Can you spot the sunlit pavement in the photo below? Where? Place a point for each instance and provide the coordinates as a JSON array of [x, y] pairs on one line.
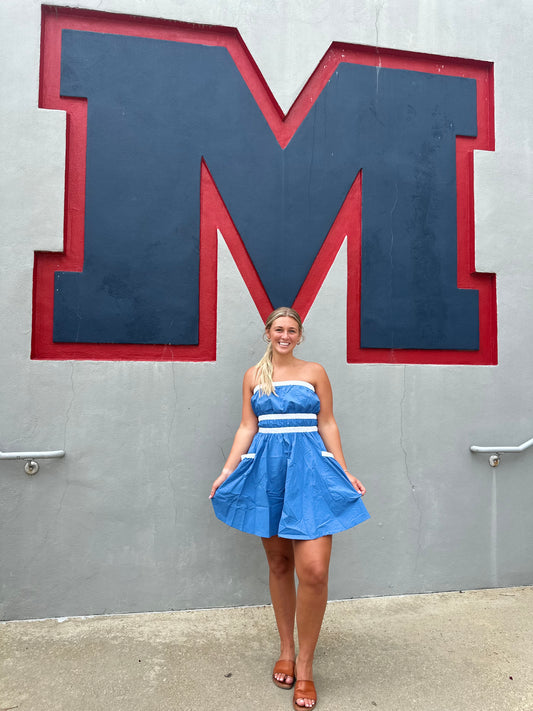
[[439, 652]]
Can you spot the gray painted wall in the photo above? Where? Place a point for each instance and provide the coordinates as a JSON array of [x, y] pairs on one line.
[[123, 523]]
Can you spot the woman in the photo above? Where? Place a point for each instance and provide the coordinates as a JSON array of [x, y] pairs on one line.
[[292, 488]]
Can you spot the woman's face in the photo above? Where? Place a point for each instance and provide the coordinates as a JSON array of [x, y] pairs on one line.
[[284, 334]]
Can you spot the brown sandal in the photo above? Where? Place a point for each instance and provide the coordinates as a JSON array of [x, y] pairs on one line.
[[286, 667], [304, 690]]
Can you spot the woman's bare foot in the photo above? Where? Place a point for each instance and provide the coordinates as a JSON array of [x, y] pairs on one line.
[[283, 674], [304, 673]]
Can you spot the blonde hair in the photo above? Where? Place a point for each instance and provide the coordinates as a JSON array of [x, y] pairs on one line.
[[264, 369]]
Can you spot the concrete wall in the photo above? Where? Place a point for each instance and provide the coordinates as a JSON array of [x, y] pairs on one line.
[[123, 523]]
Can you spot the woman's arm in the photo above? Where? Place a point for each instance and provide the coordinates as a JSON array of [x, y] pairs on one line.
[[327, 426], [245, 432]]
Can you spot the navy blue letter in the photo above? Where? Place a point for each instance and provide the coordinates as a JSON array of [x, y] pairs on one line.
[[156, 108]]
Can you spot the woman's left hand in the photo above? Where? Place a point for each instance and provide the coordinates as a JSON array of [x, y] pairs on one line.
[[356, 484], [219, 480]]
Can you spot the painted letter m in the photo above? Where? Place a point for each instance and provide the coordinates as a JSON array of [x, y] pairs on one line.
[[161, 115]]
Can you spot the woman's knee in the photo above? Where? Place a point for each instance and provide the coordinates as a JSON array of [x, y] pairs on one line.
[[312, 561], [315, 574], [280, 565]]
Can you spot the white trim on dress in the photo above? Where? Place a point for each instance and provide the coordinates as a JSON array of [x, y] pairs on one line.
[[288, 416], [290, 382], [283, 430]]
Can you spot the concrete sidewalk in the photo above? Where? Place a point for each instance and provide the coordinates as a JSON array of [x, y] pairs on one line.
[[468, 651]]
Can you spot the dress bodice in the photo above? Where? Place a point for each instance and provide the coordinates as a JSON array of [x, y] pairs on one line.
[[291, 396]]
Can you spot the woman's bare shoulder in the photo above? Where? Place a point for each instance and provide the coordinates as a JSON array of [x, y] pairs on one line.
[[250, 377], [314, 372]]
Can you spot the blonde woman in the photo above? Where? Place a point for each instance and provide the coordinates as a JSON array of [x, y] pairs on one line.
[[286, 481]]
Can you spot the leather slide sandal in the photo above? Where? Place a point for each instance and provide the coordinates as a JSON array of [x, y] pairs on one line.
[[286, 667]]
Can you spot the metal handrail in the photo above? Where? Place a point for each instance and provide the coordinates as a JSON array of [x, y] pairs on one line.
[[54, 454], [31, 466], [494, 459]]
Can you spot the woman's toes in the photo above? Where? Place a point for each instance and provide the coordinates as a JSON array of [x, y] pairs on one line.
[[283, 678]]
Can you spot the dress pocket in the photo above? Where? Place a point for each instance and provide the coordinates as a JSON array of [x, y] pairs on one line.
[[340, 487], [237, 478]]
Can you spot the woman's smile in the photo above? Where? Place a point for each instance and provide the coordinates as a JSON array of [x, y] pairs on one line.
[[284, 334]]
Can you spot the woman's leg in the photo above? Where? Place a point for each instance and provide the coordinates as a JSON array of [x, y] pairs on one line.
[[312, 568], [280, 557]]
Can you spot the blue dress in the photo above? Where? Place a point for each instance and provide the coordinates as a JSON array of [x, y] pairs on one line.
[[287, 484]]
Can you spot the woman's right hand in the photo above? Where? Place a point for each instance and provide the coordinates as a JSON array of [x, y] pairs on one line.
[[218, 481], [357, 485]]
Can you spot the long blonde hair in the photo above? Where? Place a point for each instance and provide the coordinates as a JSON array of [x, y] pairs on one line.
[[265, 368]]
